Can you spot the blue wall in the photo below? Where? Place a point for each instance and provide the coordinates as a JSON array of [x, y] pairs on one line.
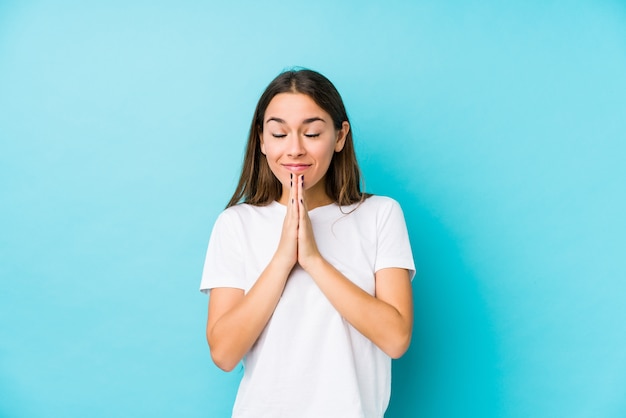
[[501, 128]]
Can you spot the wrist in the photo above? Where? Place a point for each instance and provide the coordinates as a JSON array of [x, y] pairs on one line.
[[281, 263], [313, 263]]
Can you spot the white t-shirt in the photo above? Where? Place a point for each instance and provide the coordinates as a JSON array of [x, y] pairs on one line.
[[309, 361]]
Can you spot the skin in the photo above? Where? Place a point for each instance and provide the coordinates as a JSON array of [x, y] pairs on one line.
[[299, 140]]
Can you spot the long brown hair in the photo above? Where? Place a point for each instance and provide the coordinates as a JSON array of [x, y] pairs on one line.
[[258, 185]]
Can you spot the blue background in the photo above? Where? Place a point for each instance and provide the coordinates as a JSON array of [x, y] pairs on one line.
[[499, 126]]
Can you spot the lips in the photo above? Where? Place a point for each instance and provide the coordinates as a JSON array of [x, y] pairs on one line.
[[296, 168]]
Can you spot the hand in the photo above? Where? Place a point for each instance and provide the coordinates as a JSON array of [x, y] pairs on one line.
[[307, 247], [297, 242], [287, 251]]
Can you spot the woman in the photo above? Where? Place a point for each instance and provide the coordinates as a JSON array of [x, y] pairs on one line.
[[309, 278]]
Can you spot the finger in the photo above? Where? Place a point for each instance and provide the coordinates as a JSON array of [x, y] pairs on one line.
[[301, 198], [289, 214], [291, 195], [300, 187], [296, 195], [294, 200]]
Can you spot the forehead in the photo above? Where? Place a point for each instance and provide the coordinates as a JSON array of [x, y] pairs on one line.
[[294, 108]]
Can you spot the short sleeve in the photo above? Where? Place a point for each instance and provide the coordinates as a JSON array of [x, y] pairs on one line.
[[222, 265], [393, 246]]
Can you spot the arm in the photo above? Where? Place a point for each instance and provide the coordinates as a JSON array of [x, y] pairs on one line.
[[236, 319], [386, 319]]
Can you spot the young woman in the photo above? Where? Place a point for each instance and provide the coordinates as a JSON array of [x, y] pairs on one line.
[[309, 278]]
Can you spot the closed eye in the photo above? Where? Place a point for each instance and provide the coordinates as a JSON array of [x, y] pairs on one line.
[[279, 135], [311, 135]]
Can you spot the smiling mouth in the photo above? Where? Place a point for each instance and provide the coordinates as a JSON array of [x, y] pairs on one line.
[[296, 167]]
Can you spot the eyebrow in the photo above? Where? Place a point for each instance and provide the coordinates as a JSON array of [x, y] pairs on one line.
[[306, 121]]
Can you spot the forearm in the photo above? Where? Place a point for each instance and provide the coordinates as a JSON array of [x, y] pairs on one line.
[[232, 335], [381, 322]]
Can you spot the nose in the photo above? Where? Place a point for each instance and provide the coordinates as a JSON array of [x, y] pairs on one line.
[[295, 147]]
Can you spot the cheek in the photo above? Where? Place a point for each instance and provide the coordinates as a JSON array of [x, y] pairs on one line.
[[325, 153], [271, 156], [273, 165], [270, 149]]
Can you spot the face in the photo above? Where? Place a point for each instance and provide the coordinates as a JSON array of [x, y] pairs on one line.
[[299, 137]]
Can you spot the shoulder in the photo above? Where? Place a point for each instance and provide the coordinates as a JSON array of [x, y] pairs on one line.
[[379, 200], [379, 204], [242, 209], [381, 210], [244, 212]]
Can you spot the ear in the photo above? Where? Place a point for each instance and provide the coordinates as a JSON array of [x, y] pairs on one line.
[[342, 134], [262, 144]]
